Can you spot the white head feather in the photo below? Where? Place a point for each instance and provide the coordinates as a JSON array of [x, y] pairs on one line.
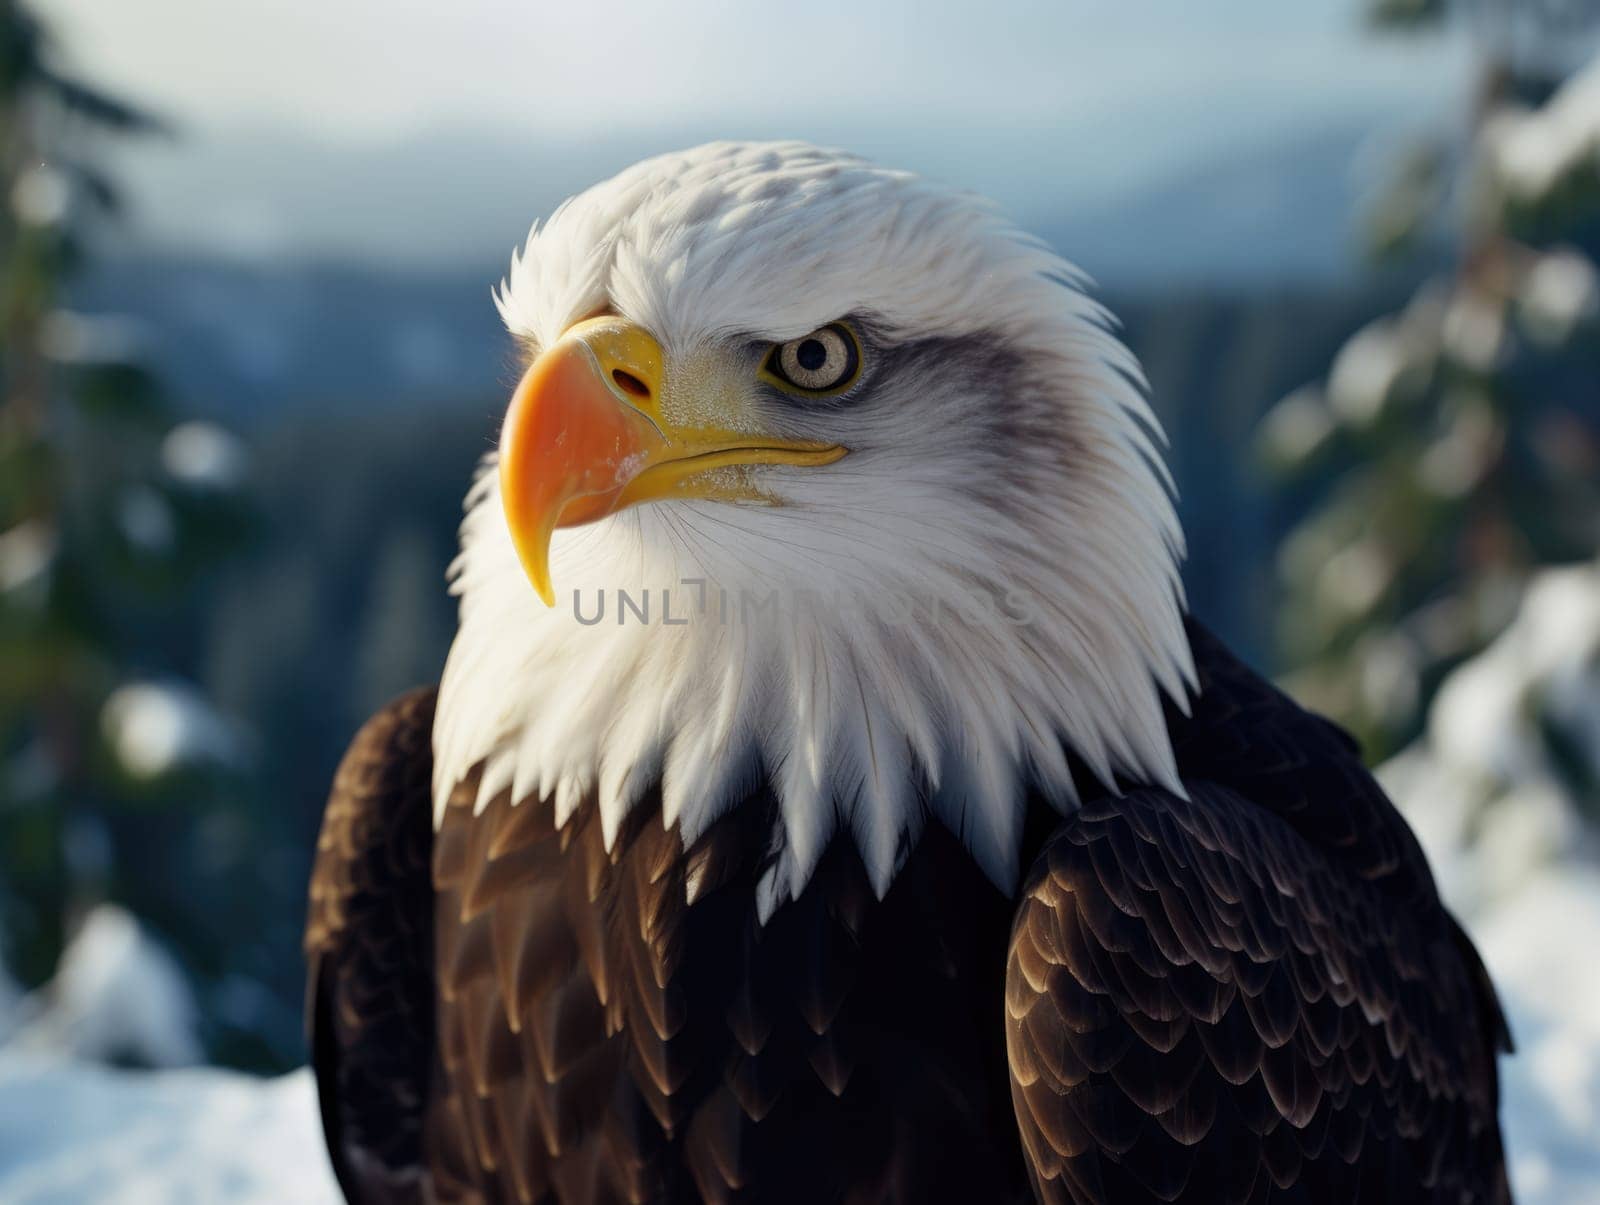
[[1005, 450]]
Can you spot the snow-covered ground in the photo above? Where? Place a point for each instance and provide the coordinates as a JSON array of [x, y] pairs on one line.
[[1541, 948], [75, 1133], [1501, 791], [117, 996], [1504, 792]]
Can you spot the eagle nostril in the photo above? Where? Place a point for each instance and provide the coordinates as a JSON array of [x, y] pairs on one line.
[[630, 384]]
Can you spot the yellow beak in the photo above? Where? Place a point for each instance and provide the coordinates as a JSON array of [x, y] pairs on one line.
[[585, 437]]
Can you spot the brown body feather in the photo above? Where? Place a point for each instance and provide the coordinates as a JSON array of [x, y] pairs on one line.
[[1249, 995]]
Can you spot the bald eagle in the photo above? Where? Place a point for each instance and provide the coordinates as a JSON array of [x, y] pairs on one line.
[[827, 796]]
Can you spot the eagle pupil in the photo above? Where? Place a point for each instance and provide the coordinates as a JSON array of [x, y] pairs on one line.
[[811, 355]]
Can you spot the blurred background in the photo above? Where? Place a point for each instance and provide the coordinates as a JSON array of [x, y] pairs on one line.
[[248, 359]]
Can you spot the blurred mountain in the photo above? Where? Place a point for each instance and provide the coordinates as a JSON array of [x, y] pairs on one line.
[[255, 343], [454, 194], [404, 317], [1284, 212]]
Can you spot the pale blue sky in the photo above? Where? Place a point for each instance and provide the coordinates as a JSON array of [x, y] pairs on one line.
[[1031, 101], [380, 68]]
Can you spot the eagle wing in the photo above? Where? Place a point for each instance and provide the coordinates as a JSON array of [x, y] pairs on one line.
[[1203, 1005], [1253, 993], [369, 951]]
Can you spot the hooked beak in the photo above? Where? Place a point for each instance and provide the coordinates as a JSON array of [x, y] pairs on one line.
[[585, 437]]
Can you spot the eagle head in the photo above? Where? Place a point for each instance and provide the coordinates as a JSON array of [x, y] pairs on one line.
[[824, 483]]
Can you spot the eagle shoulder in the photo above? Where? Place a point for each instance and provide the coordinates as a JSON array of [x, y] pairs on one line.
[[369, 953], [1252, 991]]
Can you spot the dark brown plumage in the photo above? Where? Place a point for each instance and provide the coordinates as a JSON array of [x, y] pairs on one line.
[[1252, 994]]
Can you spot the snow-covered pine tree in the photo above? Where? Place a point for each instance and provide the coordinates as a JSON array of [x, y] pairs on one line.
[[115, 775], [1454, 446]]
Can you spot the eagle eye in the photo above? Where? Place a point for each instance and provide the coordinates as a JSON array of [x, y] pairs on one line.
[[823, 363]]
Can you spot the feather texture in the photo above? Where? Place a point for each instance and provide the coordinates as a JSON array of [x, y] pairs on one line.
[[620, 1026], [1286, 1038], [369, 953], [1252, 993], [1249, 992]]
